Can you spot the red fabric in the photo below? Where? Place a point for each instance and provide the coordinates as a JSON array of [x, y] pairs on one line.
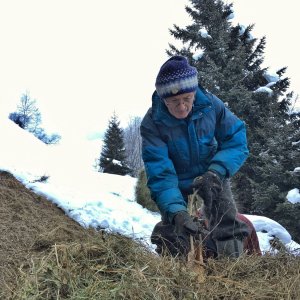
[[251, 243]]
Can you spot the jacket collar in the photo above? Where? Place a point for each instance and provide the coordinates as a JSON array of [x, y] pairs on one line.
[[161, 114]]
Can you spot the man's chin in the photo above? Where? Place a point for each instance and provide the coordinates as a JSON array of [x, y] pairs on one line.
[[181, 115]]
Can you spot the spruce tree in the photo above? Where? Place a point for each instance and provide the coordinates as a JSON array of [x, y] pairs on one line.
[[231, 68], [113, 155]]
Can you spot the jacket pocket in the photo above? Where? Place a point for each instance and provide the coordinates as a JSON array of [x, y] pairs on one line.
[[207, 150]]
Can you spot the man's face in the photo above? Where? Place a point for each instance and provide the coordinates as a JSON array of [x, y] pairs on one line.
[[180, 106]]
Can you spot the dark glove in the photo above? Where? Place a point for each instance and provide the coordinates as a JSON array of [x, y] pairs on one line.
[[208, 186], [184, 227], [184, 224]]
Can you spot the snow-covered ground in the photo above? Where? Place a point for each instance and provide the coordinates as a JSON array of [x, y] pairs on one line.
[[96, 199]]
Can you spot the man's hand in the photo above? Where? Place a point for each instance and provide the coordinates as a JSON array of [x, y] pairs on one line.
[[184, 227], [184, 224], [208, 187]]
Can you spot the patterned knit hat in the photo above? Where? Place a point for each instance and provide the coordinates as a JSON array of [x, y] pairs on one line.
[[176, 77]]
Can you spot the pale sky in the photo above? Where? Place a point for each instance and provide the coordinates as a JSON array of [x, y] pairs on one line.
[[84, 59]]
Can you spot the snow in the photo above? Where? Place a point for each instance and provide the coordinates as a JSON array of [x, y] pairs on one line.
[[65, 175], [293, 196], [271, 76], [264, 89], [242, 31], [296, 171], [198, 54], [203, 32]]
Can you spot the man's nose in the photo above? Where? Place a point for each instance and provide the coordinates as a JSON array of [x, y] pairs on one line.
[[181, 103]]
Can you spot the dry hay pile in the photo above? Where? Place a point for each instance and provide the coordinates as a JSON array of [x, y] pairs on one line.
[[115, 267], [69, 262], [29, 226]]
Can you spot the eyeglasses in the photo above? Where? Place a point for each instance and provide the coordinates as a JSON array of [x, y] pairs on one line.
[[178, 101]]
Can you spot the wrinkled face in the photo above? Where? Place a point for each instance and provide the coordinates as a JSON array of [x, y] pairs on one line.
[[180, 106]]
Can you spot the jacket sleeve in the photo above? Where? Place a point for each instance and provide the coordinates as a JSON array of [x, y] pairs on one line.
[[161, 174], [231, 136]]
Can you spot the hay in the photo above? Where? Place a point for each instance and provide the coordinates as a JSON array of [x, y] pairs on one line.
[[115, 267], [29, 225], [46, 255]]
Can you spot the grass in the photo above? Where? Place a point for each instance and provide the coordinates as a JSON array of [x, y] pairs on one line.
[[115, 267], [46, 255]]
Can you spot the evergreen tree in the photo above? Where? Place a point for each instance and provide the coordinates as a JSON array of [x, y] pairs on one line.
[[113, 154], [230, 66]]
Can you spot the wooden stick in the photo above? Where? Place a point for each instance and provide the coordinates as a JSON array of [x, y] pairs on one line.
[[195, 256]]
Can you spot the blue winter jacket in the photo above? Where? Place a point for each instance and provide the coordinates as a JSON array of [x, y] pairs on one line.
[[175, 151]]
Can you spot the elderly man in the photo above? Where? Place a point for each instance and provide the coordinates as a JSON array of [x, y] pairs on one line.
[[192, 141]]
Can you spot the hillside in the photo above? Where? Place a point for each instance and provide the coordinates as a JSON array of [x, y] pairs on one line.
[[46, 255], [29, 226]]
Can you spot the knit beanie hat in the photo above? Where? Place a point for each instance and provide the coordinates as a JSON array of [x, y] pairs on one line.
[[176, 77]]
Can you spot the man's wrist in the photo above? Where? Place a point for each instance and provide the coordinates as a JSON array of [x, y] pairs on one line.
[[173, 215], [220, 176], [219, 170]]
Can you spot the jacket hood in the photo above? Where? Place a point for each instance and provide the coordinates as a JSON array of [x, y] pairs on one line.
[[160, 113]]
